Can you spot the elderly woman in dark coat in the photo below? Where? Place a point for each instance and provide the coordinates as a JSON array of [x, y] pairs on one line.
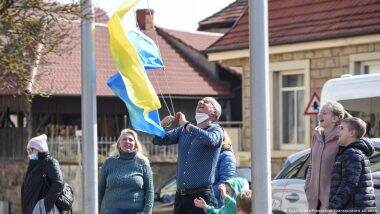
[[43, 179]]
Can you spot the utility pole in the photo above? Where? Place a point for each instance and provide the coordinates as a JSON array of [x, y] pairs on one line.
[[89, 124], [259, 83]]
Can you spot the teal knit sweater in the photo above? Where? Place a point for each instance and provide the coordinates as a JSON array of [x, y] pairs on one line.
[[126, 182]]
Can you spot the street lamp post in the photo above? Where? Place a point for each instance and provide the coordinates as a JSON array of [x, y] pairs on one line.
[[259, 64], [89, 124]]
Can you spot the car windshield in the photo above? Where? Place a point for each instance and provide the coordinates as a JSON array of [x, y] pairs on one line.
[[290, 161], [375, 158]]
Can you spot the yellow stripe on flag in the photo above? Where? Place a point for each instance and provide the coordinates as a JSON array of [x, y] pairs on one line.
[[140, 89]]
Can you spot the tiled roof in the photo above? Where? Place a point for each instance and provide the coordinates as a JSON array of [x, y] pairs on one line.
[[62, 76], [198, 41], [292, 21], [225, 17], [181, 77]]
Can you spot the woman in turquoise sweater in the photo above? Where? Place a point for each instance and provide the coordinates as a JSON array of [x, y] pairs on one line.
[[126, 183]]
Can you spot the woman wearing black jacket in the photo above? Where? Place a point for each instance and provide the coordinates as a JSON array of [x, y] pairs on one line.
[[43, 179]]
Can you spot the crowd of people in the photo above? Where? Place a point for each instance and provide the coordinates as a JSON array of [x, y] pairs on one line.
[[205, 162], [338, 178]]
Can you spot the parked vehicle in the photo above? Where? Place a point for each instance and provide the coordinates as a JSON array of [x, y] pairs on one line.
[[164, 197], [288, 194], [360, 96]]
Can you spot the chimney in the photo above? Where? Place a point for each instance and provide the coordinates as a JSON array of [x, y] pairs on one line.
[[145, 19]]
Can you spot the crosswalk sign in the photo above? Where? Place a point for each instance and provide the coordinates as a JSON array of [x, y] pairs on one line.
[[312, 107]]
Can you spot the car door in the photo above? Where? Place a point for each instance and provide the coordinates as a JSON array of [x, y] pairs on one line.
[[278, 186], [293, 196]]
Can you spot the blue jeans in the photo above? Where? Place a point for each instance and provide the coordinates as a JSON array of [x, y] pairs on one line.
[[121, 211]]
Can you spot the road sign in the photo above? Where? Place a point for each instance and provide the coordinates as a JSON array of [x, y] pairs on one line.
[[312, 107]]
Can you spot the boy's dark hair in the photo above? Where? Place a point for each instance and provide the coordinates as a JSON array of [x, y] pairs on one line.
[[357, 125], [243, 201]]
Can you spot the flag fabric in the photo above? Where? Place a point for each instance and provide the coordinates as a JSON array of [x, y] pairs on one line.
[[131, 53], [127, 61], [147, 50], [149, 124]]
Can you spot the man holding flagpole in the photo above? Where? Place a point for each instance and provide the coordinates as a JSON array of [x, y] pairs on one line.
[[198, 151]]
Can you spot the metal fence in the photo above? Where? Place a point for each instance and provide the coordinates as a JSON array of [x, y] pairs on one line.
[[68, 148], [12, 143]]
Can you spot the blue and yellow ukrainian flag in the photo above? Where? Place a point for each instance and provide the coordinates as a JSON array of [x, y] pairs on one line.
[[131, 84]]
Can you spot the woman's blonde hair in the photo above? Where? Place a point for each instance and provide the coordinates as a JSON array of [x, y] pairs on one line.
[[337, 109], [226, 144], [138, 147]]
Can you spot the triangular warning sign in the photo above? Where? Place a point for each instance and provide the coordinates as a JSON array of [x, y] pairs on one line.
[[313, 105]]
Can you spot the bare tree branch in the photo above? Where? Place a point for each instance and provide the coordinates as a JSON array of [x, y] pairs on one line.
[[24, 24]]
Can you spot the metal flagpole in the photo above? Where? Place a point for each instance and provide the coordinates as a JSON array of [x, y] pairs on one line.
[[89, 124], [259, 64]]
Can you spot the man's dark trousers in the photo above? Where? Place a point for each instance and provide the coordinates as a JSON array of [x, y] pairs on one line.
[[184, 203]]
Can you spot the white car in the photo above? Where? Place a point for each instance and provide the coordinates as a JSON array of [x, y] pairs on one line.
[[288, 194]]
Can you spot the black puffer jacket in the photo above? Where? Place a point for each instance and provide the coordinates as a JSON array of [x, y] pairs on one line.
[[33, 188], [351, 182]]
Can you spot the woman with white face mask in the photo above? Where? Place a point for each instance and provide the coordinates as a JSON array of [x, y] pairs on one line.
[[126, 182], [43, 181], [324, 147]]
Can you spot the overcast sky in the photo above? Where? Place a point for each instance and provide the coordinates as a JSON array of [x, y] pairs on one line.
[[173, 14]]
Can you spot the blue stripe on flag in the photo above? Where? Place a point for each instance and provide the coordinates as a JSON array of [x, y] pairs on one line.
[[146, 49], [149, 124]]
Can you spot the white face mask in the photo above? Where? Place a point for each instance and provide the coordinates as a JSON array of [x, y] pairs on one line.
[[201, 117], [33, 156]]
